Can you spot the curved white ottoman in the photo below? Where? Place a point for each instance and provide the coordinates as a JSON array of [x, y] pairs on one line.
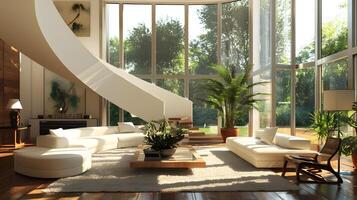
[[52, 163]]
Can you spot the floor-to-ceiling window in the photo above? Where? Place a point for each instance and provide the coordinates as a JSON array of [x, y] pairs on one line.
[[305, 31], [312, 46], [112, 52], [176, 46]]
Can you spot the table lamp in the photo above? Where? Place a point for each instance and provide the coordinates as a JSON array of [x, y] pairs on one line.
[[14, 105]]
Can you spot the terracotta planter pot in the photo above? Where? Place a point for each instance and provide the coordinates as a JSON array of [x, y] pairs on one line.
[[229, 132], [354, 158]]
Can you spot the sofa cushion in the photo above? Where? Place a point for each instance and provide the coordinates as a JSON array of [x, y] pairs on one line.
[[291, 142], [130, 139], [52, 141], [57, 132], [89, 131], [96, 143], [266, 134], [127, 127]]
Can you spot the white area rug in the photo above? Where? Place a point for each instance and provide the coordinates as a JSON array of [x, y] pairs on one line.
[[225, 171]]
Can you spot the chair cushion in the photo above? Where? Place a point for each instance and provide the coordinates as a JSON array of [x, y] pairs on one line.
[[266, 134], [291, 142]]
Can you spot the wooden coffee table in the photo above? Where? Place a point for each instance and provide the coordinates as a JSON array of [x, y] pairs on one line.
[[184, 157]]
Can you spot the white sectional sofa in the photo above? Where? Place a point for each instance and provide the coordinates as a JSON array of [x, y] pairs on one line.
[[68, 152], [263, 154]]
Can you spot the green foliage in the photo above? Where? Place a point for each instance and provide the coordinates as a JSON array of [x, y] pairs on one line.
[[283, 21], [160, 135], [325, 123], [350, 118], [137, 48], [283, 115], [63, 98], [169, 55], [203, 51], [235, 34], [231, 94], [334, 38], [113, 49], [349, 145], [170, 47]]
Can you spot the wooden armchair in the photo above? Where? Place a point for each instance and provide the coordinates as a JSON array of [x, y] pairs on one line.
[[311, 166]]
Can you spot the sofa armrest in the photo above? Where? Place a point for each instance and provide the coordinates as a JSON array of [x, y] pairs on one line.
[[130, 139], [51, 141], [292, 142]]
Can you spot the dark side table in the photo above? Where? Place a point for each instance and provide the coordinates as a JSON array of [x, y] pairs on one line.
[[16, 132]]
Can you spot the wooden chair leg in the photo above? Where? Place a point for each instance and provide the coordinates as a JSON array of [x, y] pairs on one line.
[[284, 167], [298, 168]]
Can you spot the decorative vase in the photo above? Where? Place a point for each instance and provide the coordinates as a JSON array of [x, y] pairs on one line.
[[165, 153], [229, 132]]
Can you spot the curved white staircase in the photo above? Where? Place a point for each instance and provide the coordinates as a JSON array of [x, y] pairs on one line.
[[36, 28]]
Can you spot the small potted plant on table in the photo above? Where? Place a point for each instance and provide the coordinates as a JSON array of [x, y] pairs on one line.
[[162, 137]]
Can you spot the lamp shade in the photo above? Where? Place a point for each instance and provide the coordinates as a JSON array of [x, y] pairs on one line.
[[338, 100], [14, 104]]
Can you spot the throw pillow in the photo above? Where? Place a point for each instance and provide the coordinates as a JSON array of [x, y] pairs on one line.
[[267, 134], [57, 132], [127, 127]]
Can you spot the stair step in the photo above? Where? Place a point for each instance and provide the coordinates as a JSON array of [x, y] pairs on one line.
[[196, 133], [196, 138]]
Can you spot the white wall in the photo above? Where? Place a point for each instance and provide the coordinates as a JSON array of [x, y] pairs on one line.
[[32, 76]]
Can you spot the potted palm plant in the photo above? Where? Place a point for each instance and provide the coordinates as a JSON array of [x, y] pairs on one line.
[[231, 96]]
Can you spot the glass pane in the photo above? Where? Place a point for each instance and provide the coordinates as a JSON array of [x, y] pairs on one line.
[[335, 75], [305, 102], [128, 117], [283, 31], [173, 85], [112, 11], [262, 115], [283, 100], [112, 19], [334, 26], [137, 38], [113, 114], [235, 34], [170, 20], [203, 117], [305, 31], [202, 38]]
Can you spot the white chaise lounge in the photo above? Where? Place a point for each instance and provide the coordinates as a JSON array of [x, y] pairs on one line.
[[268, 155], [68, 152]]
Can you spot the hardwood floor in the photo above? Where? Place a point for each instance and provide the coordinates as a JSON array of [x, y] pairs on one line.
[[15, 186]]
